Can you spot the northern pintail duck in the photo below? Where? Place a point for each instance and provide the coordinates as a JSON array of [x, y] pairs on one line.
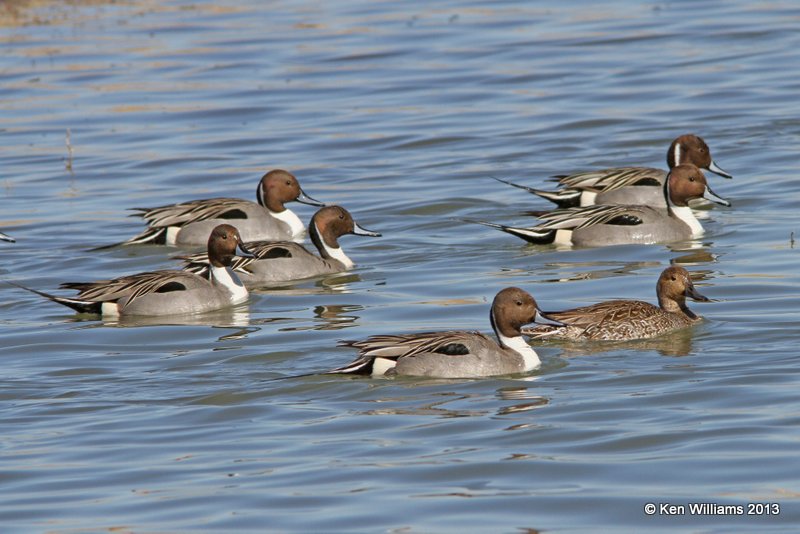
[[190, 223], [166, 292], [281, 261], [4, 237], [625, 224], [455, 354], [619, 320], [628, 185]]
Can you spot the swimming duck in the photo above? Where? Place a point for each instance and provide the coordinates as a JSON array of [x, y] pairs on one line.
[[625, 224], [456, 354], [281, 261], [619, 320], [165, 292], [190, 223], [628, 185]]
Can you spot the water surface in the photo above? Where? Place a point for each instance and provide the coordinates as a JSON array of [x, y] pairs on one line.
[[401, 112]]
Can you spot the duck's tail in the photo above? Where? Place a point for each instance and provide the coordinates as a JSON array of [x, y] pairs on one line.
[[153, 236], [534, 235], [81, 306], [563, 198]]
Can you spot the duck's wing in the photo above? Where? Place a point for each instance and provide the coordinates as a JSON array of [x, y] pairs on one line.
[[136, 285], [261, 250], [194, 210], [610, 179], [576, 218], [453, 343]]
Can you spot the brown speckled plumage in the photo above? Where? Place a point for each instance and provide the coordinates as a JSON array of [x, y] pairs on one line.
[[619, 320]]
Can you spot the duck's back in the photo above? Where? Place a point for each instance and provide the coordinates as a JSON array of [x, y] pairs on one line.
[[618, 320]]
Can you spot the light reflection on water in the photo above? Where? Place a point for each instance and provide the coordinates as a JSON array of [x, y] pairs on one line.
[[400, 112]]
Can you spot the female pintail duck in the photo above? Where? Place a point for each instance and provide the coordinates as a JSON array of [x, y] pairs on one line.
[[628, 185], [619, 320], [456, 354], [625, 224], [4, 237], [166, 292], [190, 223], [281, 261]]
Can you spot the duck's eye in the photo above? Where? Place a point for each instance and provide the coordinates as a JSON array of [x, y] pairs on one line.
[[519, 303], [341, 217], [691, 178], [674, 279]]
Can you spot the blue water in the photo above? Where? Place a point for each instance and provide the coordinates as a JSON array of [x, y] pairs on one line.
[[401, 112]]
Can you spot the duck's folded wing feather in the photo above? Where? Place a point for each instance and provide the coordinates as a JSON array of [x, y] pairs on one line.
[[575, 218], [610, 179], [261, 250], [195, 210], [136, 285]]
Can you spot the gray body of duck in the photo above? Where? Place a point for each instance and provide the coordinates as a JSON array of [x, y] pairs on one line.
[[456, 354], [620, 320], [628, 185], [626, 224], [282, 261], [166, 292], [190, 223]]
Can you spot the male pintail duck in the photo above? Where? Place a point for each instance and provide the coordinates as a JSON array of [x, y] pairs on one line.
[[165, 292], [190, 223], [456, 354], [625, 224], [281, 261], [628, 185], [619, 320], [4, 237]]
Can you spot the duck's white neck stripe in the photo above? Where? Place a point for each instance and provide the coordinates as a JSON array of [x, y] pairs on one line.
[[519, 345], [228, 279], [296, 227], [335, 252], [677, 154], [685, 214]]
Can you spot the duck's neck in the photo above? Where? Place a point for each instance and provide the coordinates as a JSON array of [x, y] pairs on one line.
[[677, 306], [225, 277], [327, 251], [520, 346], [290, 218], [687, 216], [683, 213]]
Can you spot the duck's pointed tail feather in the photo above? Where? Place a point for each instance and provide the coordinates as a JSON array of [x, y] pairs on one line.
[[81, 306]]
